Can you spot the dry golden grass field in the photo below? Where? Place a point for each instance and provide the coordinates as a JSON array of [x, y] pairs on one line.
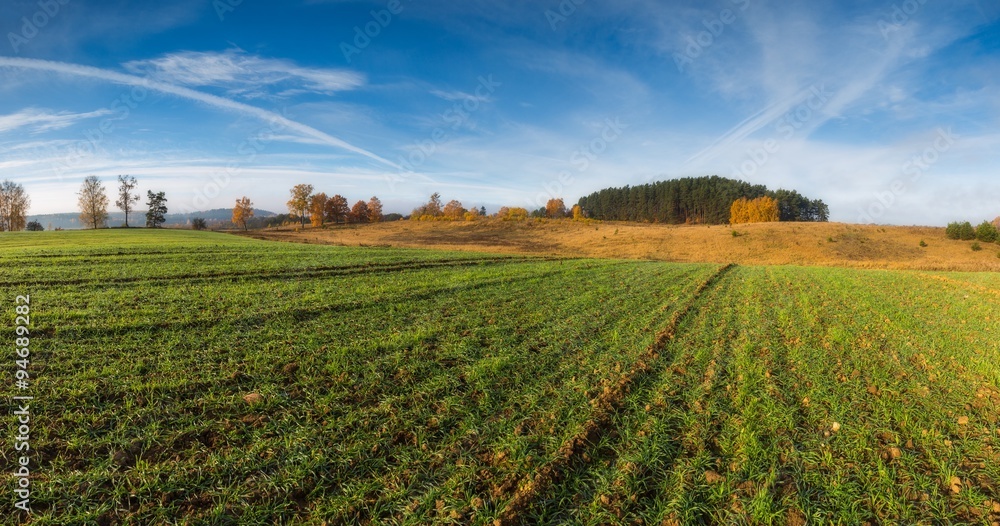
[[809, 244]]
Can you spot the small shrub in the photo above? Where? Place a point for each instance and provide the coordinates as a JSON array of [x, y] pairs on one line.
[[923, 243], [34, 226], [966, 232], [953, 231], [199, 223], [831, 240], [986, 232], [976, 247], [736, 234]]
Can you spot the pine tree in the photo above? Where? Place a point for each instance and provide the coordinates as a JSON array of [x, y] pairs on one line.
[[157, 209]]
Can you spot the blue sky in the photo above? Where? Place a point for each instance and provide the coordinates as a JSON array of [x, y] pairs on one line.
[[888, 111]]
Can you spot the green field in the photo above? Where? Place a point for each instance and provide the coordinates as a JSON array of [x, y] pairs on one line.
[[199, 378]]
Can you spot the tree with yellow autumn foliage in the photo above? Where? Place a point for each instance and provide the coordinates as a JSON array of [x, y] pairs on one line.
[[513, 214], [453, 211], [242, 212], [375, 210], [298, 205], [317, 209], [555, 208], [760, 210]]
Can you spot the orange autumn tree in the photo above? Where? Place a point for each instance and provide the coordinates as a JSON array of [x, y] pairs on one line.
[[337, 209], [242, 212], [317, 209], [360, 213], [555, 208], [760, 210], [454, 211], [375, 210]]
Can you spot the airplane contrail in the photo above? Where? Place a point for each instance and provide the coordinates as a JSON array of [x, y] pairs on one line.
[[187, 93]]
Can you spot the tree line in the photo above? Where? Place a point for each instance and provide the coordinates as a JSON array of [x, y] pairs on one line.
[[317, 209], [93, 202], [707, 200], [434, 210], [986, 232], [695, 200]]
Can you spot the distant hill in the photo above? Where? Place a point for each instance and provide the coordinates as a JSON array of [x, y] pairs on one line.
[[792, 243], [71, 221]]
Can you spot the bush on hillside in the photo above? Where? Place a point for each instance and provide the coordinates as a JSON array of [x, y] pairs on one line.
[[986, 232], [952, 232], [963, 231]]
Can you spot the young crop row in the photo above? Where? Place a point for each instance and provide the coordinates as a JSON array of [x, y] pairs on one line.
[[412, 395], [409, 387], [218, 260], [808, 396]]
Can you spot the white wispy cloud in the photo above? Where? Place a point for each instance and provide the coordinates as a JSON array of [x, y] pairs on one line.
[[243, 74], [190, 94], [456, 95], [41, 121]]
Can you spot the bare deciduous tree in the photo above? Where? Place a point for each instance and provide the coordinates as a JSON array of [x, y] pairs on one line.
[[93, 203], [126, 200], [14, 203]]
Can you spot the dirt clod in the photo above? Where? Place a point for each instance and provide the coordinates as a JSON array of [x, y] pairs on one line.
[[123, 459], [955, 484], [253, 398], [713, 477], [795, 517]]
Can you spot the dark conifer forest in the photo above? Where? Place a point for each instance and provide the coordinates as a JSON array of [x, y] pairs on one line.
[[701, 200]]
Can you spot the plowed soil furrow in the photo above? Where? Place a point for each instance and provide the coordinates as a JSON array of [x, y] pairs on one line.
[[605, 406], [964, 284], [314, 272], [300, 315]]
